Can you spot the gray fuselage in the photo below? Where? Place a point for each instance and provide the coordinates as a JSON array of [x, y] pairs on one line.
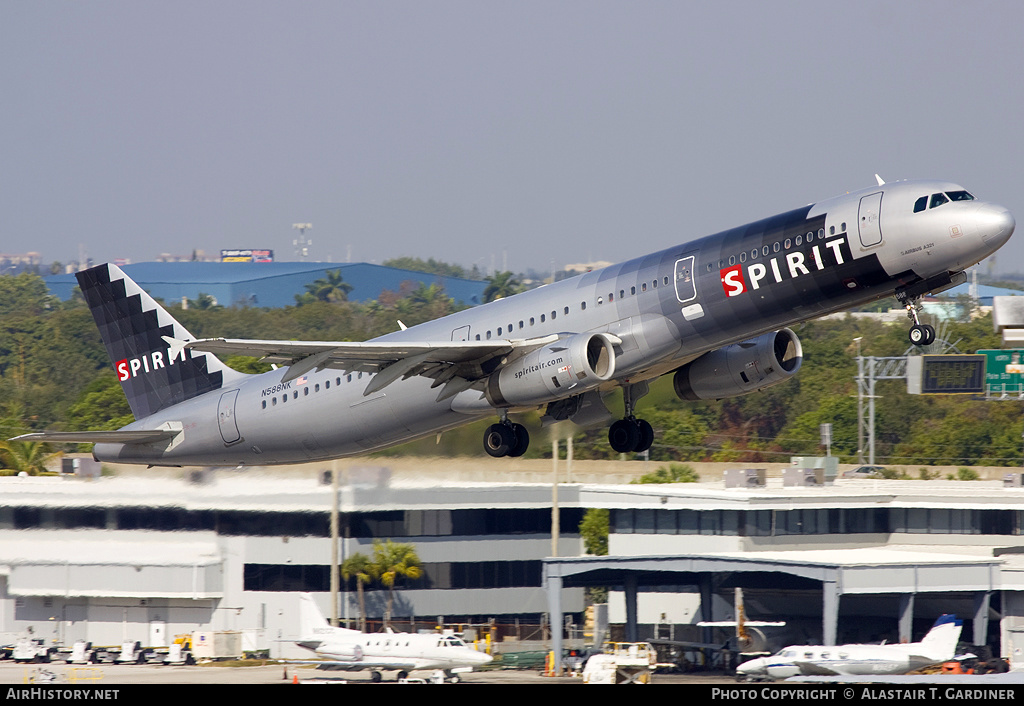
[[668, 308]]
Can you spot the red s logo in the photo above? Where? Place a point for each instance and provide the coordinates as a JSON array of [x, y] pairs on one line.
[[732, 281]]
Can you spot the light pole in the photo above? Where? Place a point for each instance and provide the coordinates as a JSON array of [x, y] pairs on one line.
[[860, 403], [300, 243]]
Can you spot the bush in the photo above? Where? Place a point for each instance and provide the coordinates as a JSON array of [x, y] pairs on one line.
[[675, 473]]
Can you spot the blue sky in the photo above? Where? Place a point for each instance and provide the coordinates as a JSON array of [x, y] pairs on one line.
[[525, 133]]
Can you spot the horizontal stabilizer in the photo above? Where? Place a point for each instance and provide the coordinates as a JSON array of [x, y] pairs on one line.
[[140, 436]]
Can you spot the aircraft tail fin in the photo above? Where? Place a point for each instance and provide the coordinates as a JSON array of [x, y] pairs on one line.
[[132, 325], [940, 642], [312, 622], [311, 619]]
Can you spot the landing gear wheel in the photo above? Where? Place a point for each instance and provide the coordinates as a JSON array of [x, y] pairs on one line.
[[929, 335], [922, 335], [499, 439], [646, 436], [623, 436], [506, 439], [522, 441]]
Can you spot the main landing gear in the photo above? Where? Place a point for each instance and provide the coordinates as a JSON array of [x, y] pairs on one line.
[[631, 435], [506, 438], [920, 334]]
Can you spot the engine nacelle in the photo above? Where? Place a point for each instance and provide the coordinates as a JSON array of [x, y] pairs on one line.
[[342, 651], [741, 368], [567, 367]]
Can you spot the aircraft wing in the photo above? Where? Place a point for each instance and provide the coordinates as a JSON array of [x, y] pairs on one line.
[[443, 361], [355, 665], [139, 436], [812, 669]]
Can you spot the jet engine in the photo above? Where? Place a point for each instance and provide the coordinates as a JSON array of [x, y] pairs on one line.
[[741, 368], [342, 651], [567, 367]]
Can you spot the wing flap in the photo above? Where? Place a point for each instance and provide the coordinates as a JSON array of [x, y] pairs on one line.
[[440, 360], [139, 436], [812, 669]]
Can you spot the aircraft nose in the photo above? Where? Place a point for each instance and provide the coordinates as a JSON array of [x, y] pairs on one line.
[[754, 666], [995, 224]]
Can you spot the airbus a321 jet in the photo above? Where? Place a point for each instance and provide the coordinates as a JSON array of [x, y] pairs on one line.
[[712, 312]]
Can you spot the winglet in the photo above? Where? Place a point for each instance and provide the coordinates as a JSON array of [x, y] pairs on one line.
[[175, 346], [880, 181]]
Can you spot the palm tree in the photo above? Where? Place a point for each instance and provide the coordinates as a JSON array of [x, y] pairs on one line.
[[28, 456], [501, 285], [330, 288], [360, 566], [392, 560]]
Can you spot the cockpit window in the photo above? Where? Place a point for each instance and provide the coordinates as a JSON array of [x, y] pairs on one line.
[[938, 200], [959, 196], [921, 204]]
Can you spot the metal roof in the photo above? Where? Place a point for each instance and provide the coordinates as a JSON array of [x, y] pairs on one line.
[[271, 284]]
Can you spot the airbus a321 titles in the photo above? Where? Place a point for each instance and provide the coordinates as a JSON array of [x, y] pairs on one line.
[[713, 312]]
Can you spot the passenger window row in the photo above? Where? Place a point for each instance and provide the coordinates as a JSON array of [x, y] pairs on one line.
[[775, 247], [306, 387], [532, 321]]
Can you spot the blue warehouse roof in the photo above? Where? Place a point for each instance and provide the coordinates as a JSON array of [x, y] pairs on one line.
[[271, 284]]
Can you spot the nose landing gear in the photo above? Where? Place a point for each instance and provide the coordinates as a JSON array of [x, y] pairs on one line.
[[920, 334]]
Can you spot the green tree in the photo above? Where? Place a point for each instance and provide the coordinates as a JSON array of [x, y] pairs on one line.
[[362, 569], [203, 302], [594, 529], [392, 561], [431, 266], [330, 288], [675, 473], [30, 457], [501, 285], [101, 406]]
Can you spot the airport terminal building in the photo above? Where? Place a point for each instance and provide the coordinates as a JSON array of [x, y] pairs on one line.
[[148, 557]]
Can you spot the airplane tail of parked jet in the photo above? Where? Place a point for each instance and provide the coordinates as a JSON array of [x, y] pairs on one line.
[[939, 645], [313, 625], [139, 336], [940, 642]]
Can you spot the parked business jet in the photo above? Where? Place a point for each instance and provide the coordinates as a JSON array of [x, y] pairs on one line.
[[712, 311], [937, 646], [353, 651]]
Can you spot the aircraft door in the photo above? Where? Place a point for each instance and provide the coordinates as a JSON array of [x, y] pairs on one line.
[[685, 277], [226, 417], [461, 334], [868, 220], [686, 287]]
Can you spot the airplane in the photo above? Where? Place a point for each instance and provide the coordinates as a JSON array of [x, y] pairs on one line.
[[936, 647], [714, 312], [352, 650]]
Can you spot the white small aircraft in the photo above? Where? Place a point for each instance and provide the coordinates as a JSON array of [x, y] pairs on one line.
[[937, 646], [352, 650]]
